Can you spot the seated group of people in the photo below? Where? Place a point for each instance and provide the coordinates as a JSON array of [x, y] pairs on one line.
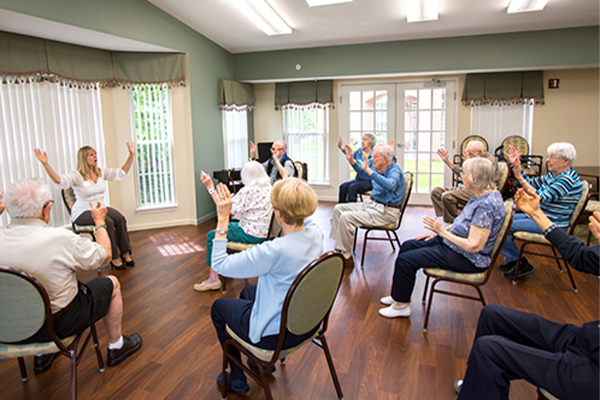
[[563, 358]]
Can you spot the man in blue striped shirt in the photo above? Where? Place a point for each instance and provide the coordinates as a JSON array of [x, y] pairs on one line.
[[559, 190]]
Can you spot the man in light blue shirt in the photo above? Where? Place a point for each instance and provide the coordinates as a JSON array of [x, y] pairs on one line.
[[381, 208]]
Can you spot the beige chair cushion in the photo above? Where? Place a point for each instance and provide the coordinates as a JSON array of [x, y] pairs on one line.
[[462, 276], [31, 349], [531, 237]]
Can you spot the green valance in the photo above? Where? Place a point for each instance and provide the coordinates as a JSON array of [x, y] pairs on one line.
[[504, 88], [235, 96], [26, 58], [313, 94]]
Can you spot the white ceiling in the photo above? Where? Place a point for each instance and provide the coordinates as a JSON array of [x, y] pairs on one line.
[[365, 21]]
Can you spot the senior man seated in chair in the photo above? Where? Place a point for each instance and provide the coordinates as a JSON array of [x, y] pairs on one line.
[[381, 208], [447, 201], [52, 256], [559, 358], [279, 166]]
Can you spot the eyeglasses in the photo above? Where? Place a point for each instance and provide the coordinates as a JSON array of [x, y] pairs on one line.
[[555, 157], [48, 202], [276, 149]]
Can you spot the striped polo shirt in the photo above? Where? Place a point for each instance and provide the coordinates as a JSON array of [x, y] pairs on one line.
[[558, 195]]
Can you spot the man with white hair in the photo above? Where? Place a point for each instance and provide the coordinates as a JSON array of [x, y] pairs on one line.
[[447, 201], [52, 256], [381, 208], [279, 166]]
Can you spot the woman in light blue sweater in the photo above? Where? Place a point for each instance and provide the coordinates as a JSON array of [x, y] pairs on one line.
[[256, 315]]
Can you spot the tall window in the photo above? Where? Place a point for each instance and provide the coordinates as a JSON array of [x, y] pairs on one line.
[[307, 138], [153, 130], [235, 137], [495, 122]]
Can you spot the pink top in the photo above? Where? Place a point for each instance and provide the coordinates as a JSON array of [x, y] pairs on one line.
[[252, 207]]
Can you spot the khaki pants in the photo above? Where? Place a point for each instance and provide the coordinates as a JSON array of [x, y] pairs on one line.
[[448, 201], [346, 217]]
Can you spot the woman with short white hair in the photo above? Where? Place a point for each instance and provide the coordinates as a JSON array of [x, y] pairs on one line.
[[350, 190], [251, 207], [559, 191]]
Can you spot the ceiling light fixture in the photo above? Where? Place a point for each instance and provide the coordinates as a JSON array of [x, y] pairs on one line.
[[421, 10], [519, 6], [263, 16], [317, 3]]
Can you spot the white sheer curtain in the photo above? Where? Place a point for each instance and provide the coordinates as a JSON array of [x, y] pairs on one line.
[[495, 122], [55, 118], [235, 138]]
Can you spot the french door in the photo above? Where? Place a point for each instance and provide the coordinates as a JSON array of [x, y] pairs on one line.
[[420, 118]]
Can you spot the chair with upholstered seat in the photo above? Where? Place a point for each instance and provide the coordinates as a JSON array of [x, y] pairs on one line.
[[25, 309], [475, 280], [302, 169], [236, 247], [306, 308], [530, 238], [389, 228], [531, 164], [68, 196]]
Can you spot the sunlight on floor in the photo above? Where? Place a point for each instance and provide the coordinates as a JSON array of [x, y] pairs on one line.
[[172, 244]]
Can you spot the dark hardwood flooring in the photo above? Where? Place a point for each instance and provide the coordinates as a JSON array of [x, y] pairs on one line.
[[376, 358]]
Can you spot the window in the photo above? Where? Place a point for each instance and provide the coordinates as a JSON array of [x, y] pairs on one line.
[[307, 138], [495, 122], [235, 137], [153, 130]]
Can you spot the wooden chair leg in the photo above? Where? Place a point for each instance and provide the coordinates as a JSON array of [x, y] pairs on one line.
[[336, 382], [391, 240], [355, 235], [425, 290], [431, 292], [23, 369], [73, 355]]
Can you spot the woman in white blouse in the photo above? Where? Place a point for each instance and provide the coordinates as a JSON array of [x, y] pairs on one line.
[[251, 206], [89, 184]]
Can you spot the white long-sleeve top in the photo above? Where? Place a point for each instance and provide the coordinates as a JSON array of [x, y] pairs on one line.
[[87, 191]]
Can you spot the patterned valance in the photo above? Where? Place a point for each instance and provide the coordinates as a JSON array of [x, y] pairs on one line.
[[503, 88], [235, 96], [304, 95], [26, 58]]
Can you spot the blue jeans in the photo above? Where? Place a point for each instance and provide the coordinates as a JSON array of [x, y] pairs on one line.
[[349, 191], [234, 234]]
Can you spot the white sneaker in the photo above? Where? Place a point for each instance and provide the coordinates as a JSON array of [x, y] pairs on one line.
[[390, 312], [458, 385], [387, 300]]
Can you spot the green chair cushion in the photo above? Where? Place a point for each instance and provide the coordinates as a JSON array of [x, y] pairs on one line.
[[462, 276], [31, 349]]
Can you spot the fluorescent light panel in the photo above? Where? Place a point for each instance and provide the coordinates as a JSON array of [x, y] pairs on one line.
[[263, 16], [421, 10], [317, 3], [519, 6]]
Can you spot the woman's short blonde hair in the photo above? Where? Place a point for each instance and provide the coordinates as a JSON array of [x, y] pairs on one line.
[[481, 172], [82, 165], [295, 199]]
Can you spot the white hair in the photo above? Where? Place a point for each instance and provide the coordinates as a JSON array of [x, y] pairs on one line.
[[563, 150], [385, 150], [476, 145], [372, 138], [253, 174], [481, 172], [26, 198]]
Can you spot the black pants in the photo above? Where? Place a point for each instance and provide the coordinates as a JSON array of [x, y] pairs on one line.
[[512, 345], [117, 230], [236, 314], [349, 191]]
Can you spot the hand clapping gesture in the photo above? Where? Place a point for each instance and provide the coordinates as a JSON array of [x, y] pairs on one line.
[[223, 200]]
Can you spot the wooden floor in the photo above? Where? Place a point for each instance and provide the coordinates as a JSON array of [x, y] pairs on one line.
[[376, 358]]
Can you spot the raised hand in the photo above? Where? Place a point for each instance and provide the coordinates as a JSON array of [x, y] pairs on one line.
[[252, 150], [340, 146], [223, 200], [41, 155], [433, 225], [2, 205], [365, 162], [513, 156], [130, 148], [349, 154], [443, 154], [528, 202]]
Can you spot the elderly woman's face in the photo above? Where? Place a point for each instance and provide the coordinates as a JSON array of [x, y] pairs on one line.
[[557, 164], [365, 142]]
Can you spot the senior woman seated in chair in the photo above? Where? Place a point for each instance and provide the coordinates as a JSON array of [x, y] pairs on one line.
[[256, 315], [463, 247], [251, 206]]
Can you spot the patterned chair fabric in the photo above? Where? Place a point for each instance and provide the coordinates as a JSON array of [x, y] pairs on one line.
[[531, 164], [306, 307], [502, 175], [25, 309], [302, 169], [475, 280], [69, 199], [390, 228], [537, 238]]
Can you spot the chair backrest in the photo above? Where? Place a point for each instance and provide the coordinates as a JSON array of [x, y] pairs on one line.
[[518, 142], [502, 175], [509, 209], [68, 196], [302, 169], [274, 227], [312, 294], [235, 179], [408, 184], [25, 305], [471, 138], [580, 206]]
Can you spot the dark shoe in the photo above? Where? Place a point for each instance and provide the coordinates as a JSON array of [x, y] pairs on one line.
[[131, 344], [128, 263], [508, 266], [237, 386], [117, 267], [43, 362], [526, 269], [348, 262], [251, 364]]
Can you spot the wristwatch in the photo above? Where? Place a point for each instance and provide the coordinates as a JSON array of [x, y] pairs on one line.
[[100, 226], [211, 190], [221, 231]]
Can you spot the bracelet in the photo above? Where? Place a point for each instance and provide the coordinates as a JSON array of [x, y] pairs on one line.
[[211, 190], [100, 226], [550, 229], [221, 231]]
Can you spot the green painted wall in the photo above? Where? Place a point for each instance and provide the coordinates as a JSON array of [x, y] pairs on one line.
[[142, 21], [536, 49]]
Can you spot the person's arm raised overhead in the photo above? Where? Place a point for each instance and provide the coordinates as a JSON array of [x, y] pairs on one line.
[[252, 151], [129, 162], [43, 158]]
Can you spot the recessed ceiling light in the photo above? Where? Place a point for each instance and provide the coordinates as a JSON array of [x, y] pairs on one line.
[[317, 3], [263, 16], [519, 6], [421, 10]]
